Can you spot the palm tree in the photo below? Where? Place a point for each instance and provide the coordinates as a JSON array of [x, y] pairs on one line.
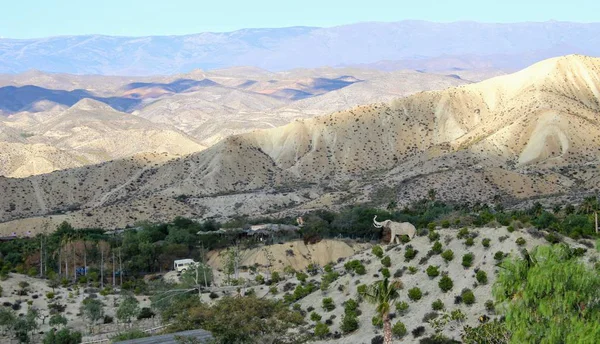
[[383, 293], [589, 206]]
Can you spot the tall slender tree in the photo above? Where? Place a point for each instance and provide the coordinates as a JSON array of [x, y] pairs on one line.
[[383, 293]]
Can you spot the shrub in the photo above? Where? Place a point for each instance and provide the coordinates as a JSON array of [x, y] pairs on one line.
[[314, 316], [489, 306], [50, 295], [436, 248], [463, 233], [467, 260], [510, 229], [259, 279], [520, 241], [145, 313], [350, 306], [377, 321], [415, 294], [321, 330], [430, 316], [553, 238], [457, 315], [385, 272], [448, 255], [399, 330], [469, 242], [377, 251], [433, 271], [499, 255], [386, 261], [481, 277], [410, 253], [349, 323], [418, 331], [377, 339], [361, 289], [328, 304], [412, 270], [445, 283], [437, 305], [468, 297], [273, 290], [433, 236], [491, 332], [301, 276], [486, 242], [431, 226], [445, 224], [355, 266], [402, 307]]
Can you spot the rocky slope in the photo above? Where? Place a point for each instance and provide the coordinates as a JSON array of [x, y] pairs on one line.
[[530, 134]]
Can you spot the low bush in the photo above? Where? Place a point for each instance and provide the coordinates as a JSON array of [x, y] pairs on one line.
[[520, 241], [385, 272], [377, 321], [433, 236], [445, 283], [436, 248], [437, 305], [486, 242], [433, 271], [328, 304], [386, 261], [448, 255], [377, 251], [355, 266], [399, 330], [469, 242], [410, 253], [321, 330], [415, 294], [349, 323], [499, 255], [402, 307], [314, 316], [467, 260], [418, 331], [481, 277], [468, 297]]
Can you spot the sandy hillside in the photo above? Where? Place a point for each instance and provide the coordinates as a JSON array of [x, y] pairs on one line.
[[344, 287], [530, 134]]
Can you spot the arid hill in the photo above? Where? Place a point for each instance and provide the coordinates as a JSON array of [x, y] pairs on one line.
[[533, 133], [63, 121]]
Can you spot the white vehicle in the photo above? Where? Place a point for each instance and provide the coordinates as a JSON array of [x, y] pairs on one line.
[[181, 265]]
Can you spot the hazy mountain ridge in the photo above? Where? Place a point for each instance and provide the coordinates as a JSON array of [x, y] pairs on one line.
[[504, 137], [285, 48]]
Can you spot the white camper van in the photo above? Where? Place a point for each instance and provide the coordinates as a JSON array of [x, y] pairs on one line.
[[181, 265]]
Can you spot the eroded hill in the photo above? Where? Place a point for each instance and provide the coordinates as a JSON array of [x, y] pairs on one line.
[[533, 133]]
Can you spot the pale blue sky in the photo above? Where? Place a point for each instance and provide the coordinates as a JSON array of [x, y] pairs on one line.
[[41, 18]]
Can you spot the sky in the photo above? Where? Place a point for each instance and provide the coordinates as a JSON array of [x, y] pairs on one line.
[[43, 18]]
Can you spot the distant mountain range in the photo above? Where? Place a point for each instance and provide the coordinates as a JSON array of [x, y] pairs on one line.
[[407, 44]]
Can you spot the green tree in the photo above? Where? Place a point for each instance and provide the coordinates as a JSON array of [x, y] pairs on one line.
[[549, 296], [7, 319], [58, 320], [64, 336], [93, 310], [128, 308], [383, 293]]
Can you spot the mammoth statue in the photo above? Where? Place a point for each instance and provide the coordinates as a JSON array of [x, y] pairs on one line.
[[396, 228]]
